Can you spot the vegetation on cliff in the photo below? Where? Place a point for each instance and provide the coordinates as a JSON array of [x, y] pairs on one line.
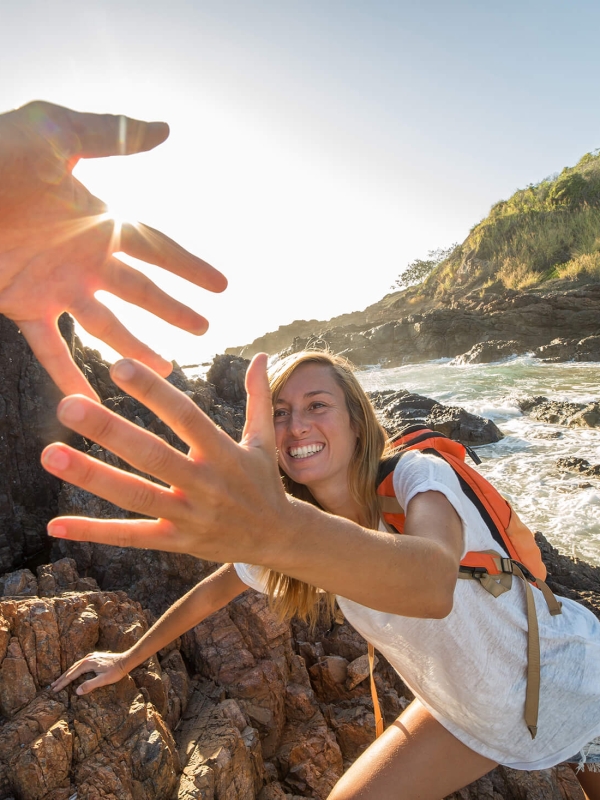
[[544, 237], [547, 231]]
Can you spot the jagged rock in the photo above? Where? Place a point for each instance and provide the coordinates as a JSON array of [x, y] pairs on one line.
[[558, 350], [111, 743], [579, 465], [460, 425], [227, 374], [21, 582], [487, 352], [561, 412], [570, 577], [358, 670], [220, 750], [28, 494], [397, 409]]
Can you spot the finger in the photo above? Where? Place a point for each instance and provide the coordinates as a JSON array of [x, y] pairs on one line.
[[142, 449], [175, 408], [98, 320], [156, 534], [152, 246], [102, 135], [103, 679], [121, 488], [74, 671], [53, 353], [133, 286], [258, 429]]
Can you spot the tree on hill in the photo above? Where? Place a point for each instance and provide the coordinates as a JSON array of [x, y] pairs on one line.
[[420, 268]]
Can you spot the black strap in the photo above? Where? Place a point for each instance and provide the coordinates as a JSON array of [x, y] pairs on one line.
[[471, 494]]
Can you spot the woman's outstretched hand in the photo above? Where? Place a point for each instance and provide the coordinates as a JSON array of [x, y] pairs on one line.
[[109, 668], [57, 241], [223, 501]]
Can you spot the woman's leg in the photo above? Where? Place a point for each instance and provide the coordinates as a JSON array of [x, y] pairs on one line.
[[416, 758]]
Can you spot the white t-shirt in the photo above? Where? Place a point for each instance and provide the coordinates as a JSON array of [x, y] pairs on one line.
[[469, 669]]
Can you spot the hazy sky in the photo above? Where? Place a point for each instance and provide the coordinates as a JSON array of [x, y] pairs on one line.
[[316, 147]]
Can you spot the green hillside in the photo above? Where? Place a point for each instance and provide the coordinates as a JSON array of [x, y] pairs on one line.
[[546, 232]]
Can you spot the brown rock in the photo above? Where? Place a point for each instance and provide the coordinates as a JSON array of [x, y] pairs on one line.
[[219, 760], [353, 723], [21, 583], [17, 687], [328, 677], [110, 743], [358, 670], [309, 759], [46, 764]]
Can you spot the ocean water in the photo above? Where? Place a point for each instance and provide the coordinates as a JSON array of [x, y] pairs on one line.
[[564, 506]]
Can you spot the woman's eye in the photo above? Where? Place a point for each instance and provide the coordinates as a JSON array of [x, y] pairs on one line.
[[279, 412], [318, 404]]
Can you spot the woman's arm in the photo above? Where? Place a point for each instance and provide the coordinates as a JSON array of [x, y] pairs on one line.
[[225, 502], [208, 596]]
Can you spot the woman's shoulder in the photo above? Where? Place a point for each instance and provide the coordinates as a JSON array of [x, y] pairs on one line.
[[418, 472], [416, 465]]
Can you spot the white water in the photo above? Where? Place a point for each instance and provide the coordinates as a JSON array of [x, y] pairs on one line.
[[564, 506]]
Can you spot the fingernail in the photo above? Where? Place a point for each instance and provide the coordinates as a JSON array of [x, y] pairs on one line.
[[57, 531], [71, 410], [79, 690], [55, 458], [123, 370]]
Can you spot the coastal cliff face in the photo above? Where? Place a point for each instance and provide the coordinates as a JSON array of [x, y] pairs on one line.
[[483, 325], [242, 706]]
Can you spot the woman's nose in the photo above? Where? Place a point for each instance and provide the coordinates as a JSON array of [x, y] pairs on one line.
[[298, 423]]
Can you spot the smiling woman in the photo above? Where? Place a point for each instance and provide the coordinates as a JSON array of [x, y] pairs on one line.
[[460, 649]]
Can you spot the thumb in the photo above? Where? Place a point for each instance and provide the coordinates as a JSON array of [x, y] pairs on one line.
[[258, 429]]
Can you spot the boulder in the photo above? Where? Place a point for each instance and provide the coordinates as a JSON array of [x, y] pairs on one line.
[[561, 412], [558, 350], [487, 352], [397, 409]]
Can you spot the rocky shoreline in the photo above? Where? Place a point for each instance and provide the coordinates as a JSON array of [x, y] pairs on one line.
[[482, 326], [242, 706]]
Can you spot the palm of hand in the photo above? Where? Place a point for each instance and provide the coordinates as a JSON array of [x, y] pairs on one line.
[[222, 502], [57, 244]]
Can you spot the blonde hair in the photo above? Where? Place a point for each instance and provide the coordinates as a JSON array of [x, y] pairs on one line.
[[289, 596]]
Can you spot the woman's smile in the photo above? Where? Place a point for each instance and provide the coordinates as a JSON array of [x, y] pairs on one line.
[[306, 451]]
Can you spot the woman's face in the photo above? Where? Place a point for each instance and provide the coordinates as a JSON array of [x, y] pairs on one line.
[[314, 436]]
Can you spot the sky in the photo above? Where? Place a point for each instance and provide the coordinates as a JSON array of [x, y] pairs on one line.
[[316, 147]]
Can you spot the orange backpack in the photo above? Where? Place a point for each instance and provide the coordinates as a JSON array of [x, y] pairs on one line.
[[493, 570]]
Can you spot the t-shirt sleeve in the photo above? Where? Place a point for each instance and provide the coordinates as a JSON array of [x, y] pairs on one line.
[[252, 576], [418, 472]]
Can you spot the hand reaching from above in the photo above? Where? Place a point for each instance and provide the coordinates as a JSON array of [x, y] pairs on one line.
[[57, 242], [109, 668], [223, 501]]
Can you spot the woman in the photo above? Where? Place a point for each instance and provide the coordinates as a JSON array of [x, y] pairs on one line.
[[461, 651]]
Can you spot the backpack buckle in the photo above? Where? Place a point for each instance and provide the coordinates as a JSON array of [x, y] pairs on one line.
[[506, 565], [474, 572]]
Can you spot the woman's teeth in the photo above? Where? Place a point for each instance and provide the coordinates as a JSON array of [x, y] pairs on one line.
[[304, 452]]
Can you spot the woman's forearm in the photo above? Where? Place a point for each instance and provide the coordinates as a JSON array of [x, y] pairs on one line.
[[208, 596], [413, 575]]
